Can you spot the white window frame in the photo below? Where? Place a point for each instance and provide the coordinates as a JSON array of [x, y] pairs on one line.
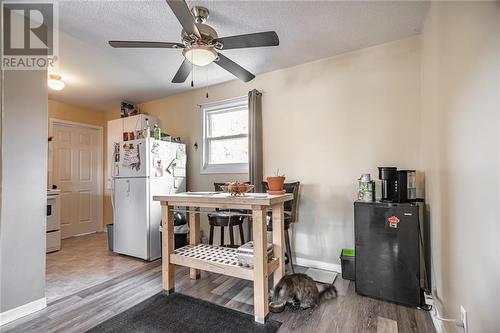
[[221, 106]]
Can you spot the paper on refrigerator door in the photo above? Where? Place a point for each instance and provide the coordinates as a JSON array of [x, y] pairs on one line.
[[181, 155], [155, 148], [131, 156], [179, 172], [157, 167]]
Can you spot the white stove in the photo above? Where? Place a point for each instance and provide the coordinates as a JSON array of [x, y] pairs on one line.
[[53, 221]]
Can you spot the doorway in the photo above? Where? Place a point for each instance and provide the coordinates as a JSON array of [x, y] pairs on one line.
[[76, 168]]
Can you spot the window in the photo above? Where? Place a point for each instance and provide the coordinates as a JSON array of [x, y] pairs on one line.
[[225, 136]]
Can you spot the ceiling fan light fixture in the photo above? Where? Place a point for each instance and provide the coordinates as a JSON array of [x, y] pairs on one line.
[[200, 55], [55, 82], [201, 43]]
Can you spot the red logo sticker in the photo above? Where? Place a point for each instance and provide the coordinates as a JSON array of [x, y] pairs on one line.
[[393, 221]]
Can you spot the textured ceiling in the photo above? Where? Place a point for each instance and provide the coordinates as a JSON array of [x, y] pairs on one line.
[[99, 76]]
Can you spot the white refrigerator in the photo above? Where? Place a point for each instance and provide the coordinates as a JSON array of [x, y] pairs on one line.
[[142, 169]]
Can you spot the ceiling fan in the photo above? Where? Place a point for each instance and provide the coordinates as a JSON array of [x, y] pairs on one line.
[[201, 45]]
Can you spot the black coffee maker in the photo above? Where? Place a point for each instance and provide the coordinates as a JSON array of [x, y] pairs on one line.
[[389, 178], [397, 185]]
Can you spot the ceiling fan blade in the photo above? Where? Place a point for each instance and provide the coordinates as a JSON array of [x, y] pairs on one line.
[[142, 44], [234, 68], [183, 72], [183, 14], [259, 39]]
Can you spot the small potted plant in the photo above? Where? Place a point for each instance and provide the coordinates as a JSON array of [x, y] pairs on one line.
[[275, 183]]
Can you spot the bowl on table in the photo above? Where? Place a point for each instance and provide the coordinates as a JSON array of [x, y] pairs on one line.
[[236, 188]]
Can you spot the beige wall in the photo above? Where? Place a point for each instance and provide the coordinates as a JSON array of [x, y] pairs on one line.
[[325, 123], [460, 154], [79, 114]]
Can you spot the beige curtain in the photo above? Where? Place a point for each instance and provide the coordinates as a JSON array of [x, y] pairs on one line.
[[255, 139]]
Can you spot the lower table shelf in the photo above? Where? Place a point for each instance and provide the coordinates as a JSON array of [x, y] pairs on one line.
[[217, 259]]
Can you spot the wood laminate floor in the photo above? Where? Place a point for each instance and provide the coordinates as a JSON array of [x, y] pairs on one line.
[[105, 290], [82, 262]]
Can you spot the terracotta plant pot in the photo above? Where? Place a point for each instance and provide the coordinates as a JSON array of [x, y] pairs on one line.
[[275, 184]]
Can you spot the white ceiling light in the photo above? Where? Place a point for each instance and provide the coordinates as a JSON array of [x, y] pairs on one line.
[[55, 82], [200, 55]]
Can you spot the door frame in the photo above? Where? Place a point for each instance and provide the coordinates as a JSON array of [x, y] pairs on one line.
[[100, 166]]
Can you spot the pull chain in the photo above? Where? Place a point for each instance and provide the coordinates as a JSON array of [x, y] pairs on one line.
[[207, 83], [192, 75]]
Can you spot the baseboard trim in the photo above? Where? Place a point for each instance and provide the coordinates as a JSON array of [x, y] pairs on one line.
[[318, 264], [85, 234], [23, 310]]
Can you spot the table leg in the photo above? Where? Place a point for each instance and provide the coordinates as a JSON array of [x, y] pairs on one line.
[[194, 237], [168, 269], [260, 282], [279, 241]]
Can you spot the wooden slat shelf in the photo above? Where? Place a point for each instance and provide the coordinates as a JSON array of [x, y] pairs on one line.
[[216, 259]]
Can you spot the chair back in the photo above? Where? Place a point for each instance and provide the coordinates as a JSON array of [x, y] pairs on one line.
[[291, 206], [218, 187]]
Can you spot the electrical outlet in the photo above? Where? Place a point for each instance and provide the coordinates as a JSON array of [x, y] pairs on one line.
[[463, 318]]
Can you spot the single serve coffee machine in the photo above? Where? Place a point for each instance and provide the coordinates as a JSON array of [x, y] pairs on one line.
[[398, 185]]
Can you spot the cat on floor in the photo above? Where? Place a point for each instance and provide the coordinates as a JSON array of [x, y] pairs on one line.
[[300, 291]]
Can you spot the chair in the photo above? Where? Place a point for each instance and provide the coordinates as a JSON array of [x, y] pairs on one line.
[[290, 212], [226, 218]]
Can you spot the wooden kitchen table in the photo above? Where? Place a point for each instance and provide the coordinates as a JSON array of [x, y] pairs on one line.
[[223, 260]]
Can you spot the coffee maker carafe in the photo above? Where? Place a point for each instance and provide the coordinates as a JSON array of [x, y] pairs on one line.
[[389, 178]]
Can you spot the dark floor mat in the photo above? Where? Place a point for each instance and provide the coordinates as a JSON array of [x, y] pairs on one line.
[[183, 314]]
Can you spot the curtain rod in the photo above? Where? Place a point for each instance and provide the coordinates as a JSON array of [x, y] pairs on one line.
[[227, 99]]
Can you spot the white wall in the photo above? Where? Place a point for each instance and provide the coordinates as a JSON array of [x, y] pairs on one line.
[[461, 156], [325, 123], [23, 191]]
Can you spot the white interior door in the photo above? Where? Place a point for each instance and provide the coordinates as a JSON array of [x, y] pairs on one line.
[[75, 172]]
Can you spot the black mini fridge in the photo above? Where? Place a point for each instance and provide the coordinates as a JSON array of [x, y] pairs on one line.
[[389, 263]]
